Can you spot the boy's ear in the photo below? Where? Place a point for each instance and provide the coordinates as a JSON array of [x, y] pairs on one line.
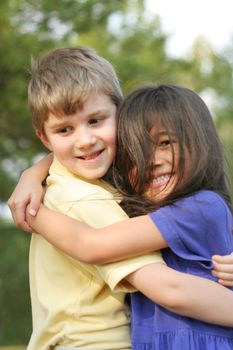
[[43, 139]]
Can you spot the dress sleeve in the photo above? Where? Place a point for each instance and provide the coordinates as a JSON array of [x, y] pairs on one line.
[[196, 227], [101, 209]]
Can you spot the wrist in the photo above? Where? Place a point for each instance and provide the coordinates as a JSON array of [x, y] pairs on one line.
[[34, 172]]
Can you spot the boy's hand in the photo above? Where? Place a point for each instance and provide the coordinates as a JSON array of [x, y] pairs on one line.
[[27, 194], [223, 269]]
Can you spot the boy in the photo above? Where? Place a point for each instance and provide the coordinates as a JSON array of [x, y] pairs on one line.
[[73, 96]]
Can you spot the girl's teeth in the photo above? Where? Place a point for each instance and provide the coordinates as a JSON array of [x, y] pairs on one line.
[[161, 179]]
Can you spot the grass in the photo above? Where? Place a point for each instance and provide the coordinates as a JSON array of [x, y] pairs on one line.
[[13, 347]]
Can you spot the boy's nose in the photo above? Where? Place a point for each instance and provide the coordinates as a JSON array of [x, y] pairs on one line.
[[85, 139]]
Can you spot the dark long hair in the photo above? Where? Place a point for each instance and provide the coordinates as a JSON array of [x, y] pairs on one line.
[[183, 112]]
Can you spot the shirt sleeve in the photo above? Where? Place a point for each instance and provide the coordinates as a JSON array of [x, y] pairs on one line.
[[99, 210], [196, 227]]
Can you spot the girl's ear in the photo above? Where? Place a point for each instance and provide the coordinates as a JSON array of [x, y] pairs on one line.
[[43, 139]]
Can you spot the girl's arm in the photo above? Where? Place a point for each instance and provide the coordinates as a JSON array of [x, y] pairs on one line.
[[185, 294], [181, 293], [29, 192], [97, 245], [111, 243]]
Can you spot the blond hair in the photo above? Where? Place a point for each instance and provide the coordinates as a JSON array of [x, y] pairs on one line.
[[62, 80]]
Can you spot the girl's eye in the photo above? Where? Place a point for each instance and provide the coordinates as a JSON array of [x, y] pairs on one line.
[[165, 143]]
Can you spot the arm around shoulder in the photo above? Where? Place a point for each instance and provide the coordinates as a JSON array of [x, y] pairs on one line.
[[115, 242]]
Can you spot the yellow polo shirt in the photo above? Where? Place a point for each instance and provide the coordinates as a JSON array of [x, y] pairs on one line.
[[75, 304]]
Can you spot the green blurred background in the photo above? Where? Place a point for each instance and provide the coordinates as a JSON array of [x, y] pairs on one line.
[[137, 49]]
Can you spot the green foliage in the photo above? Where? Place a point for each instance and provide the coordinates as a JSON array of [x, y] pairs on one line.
[[15, 318]]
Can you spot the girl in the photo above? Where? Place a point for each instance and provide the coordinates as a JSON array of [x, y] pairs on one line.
[[169, 148]]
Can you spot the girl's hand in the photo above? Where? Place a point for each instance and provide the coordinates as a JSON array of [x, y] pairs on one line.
[[223, 269], [28, 193]]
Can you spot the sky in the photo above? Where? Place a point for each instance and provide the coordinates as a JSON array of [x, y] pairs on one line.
[[185, 20]]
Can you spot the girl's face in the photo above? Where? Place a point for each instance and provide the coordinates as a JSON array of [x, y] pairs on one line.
[[165, 164]]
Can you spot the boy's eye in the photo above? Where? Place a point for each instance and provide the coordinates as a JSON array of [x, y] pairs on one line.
[[64, 130], [94, 121]]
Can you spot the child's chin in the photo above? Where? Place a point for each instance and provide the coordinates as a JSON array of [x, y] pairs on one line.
[[157, 194]]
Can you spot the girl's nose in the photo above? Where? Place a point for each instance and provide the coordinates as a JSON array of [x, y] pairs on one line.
[[158, 159]]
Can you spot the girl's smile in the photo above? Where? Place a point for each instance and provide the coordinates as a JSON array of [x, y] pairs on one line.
[[161, 180], [166, 157]]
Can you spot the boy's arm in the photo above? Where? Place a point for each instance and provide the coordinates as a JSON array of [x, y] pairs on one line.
[[29, 192], [185, 294]]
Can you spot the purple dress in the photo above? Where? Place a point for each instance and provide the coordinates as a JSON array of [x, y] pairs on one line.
[[195, 228]]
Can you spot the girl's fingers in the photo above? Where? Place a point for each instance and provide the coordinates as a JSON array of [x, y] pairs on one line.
[[18, 212]]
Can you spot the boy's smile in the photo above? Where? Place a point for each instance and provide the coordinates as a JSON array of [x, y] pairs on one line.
[[84, 142]]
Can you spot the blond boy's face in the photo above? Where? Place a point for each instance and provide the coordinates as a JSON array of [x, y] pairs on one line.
[[84, 142]]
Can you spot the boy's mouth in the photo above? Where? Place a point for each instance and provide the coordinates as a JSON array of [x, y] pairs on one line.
[[91, 156]]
